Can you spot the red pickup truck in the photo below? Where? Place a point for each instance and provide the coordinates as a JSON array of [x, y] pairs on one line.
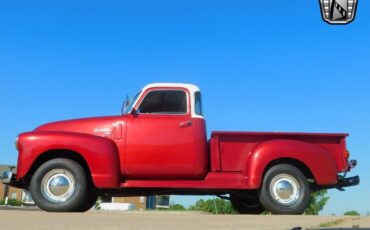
[[159, 146]]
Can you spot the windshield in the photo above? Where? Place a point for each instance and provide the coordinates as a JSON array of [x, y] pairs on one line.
[[129, 103]]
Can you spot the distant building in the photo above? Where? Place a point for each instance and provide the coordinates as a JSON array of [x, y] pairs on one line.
[[138, 201], [142, 202], [155, 202]]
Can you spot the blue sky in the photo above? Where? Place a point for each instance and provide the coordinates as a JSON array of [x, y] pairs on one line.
[[262, 66]]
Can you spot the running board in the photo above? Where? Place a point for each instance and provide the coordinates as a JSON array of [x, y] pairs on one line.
[[214, 180]]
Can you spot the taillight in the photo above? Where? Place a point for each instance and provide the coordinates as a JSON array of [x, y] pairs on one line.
[[346, 155]]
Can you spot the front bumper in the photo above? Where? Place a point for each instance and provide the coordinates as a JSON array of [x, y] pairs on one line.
[[7, 177]]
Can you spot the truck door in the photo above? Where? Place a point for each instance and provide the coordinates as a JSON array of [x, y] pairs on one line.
[[160, 136]]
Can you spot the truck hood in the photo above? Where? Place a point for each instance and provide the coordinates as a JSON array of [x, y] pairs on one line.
[[100, 126]]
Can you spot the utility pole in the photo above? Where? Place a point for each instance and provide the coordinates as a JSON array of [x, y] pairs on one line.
[[214, 202]]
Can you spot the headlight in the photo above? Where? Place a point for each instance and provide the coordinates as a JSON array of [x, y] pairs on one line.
[[16, 143]]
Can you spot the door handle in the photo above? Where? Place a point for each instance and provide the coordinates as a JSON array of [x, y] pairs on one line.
[[186, 124]]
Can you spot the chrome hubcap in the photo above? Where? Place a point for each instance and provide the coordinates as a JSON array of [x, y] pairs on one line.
[[285, 189], [58, 185]]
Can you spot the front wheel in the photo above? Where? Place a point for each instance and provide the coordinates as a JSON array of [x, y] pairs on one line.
[[89, 202], [285, 190], [59, 185]]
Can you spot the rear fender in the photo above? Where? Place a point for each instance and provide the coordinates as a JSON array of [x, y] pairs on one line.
[[100, 154], [319, 160]]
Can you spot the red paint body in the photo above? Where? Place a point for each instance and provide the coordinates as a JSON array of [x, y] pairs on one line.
[[172, 151]]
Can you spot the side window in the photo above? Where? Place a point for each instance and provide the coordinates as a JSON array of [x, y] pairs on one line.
[[164, 102], [198, 104]]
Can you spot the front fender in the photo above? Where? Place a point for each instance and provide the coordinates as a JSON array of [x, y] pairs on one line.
[[100, 153], [319, 160]]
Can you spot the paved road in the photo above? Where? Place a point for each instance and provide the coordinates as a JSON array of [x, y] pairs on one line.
[[17, 219]]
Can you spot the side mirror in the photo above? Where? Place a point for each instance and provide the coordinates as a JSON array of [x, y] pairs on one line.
[[126, 103], [135, 112]]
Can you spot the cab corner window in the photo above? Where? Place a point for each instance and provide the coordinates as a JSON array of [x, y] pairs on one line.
[[164, 102], [198, 104]]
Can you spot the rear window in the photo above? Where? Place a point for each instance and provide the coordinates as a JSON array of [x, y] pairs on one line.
[[164, 102], [198, 104]]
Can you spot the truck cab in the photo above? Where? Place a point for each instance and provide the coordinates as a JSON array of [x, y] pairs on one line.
[[165, 134]]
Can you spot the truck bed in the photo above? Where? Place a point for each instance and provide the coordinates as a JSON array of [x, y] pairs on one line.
[[231, 150]]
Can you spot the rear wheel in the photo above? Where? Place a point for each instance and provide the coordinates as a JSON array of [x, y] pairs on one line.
[[285, 190], [59, 185], [246, 204]]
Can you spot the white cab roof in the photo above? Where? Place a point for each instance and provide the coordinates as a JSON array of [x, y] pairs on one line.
[[192, 88]]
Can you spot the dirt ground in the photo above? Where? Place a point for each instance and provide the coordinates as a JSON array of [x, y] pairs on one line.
[[18, 219]]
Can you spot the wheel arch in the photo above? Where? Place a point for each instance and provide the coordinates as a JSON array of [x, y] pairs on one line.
[[60, 153], [294, 162]]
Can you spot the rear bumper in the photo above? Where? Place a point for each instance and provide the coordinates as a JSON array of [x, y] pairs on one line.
[[341, 183], [347, 182]]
